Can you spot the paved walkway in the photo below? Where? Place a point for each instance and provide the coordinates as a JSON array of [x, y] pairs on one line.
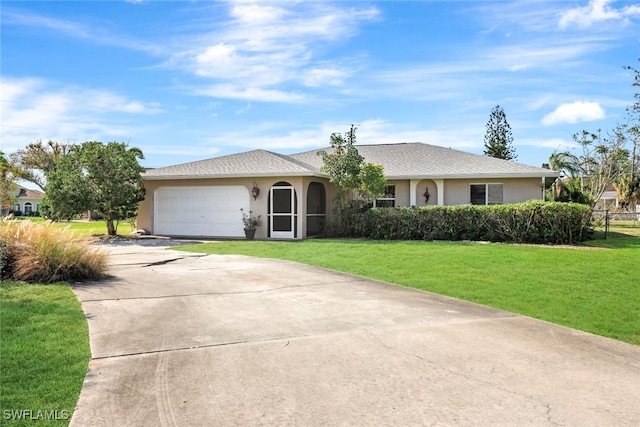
[[181, 339]]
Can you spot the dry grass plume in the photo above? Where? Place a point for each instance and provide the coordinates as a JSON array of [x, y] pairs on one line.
[[41, 253]]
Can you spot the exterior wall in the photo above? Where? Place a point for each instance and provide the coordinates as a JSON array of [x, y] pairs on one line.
[[456, 192], [259, 206], [22, 201], [424, 185], [516, 190], [402, 191]]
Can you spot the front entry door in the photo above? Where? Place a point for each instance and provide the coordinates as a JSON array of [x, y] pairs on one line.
[[282, 212]]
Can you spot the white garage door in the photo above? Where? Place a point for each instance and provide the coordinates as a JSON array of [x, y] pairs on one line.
[[200, 211]]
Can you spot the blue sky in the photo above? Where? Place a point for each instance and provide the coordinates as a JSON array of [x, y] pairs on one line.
[[187, 80]]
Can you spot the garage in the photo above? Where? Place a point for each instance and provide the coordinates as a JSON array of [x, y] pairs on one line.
[[200, 211]]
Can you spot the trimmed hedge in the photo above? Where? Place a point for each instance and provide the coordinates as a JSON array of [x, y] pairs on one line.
[[529, 222]]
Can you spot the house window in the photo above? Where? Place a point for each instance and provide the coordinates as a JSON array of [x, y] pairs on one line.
[[28, 208], [388, 199], [486, 194]]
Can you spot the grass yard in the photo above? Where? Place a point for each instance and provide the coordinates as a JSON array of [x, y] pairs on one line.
[[590, 288], [89, 228], [44, 353]]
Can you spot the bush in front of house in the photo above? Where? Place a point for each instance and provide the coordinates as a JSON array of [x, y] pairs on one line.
[[41, 253], [529, 222]]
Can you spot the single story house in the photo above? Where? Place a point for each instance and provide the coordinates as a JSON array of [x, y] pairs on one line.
[[293, 196], [27, 201]]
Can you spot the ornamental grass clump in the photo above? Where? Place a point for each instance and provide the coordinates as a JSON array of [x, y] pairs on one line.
[[41, 253]]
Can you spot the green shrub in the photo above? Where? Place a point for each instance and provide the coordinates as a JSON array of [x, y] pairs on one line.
[[529, 222], [43, 253]]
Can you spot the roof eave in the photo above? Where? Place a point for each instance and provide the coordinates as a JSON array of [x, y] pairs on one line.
[[227, 176], [475, 175]]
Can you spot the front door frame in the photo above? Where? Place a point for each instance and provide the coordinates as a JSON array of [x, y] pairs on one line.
[[290, 234]]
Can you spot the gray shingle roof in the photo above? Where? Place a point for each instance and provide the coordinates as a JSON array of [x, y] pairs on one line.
[[418, 160], [400, 161], [254, 163]]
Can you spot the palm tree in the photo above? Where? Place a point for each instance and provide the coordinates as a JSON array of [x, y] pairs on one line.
[[566, 163]]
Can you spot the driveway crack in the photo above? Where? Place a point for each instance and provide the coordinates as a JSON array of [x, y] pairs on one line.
[[167, 261], [193, 347], [197, 294]]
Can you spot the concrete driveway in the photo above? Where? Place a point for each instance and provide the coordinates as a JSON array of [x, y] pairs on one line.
[[181, 339]]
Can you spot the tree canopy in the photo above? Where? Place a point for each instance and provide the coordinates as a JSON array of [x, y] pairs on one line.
[[498, 141], [105, 178], [37, 159], [357, 180], [8, 186]]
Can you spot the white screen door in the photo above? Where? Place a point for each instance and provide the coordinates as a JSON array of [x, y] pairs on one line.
[[282, 212]]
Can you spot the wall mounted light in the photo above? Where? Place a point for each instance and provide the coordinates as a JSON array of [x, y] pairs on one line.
[[426, 195], [255, 191]]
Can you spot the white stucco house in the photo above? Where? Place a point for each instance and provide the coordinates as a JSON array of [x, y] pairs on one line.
[[27, 201], [293, 196]]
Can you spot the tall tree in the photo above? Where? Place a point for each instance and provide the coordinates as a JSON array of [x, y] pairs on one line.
[[564, 188], [105, 178], [498, 141], [629, 188], [355, 179], [603, 161], [565, 162], [8, 186], [37, 159]]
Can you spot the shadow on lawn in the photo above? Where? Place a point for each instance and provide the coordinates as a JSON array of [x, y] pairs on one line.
[[614, 241]]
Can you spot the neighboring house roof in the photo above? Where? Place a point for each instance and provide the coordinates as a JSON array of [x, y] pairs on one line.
[[26, 193], [400, 161], [610, 195]]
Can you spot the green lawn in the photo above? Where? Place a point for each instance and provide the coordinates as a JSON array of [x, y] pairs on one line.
[[89, 228], [44, 353], [44, 345], [588, 288]]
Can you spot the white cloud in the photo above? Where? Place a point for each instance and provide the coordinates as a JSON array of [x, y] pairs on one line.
[[231, 91], [279, 136], [541, 53], [574, 112], [512, 18], [101, 101], [597, 11], [324, 76], [559, 144], [87, 31], [270, 47], [35, 109], [256, 14]]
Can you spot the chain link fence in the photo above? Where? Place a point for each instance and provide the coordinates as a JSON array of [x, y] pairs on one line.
[[603, 219]]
